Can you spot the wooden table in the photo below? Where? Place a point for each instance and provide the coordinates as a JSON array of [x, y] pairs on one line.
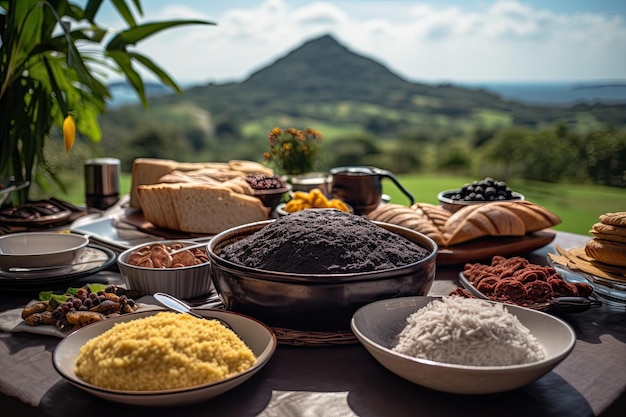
[[343, 380]]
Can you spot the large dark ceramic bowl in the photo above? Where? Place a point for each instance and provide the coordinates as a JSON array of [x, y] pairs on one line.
[[313, 302]]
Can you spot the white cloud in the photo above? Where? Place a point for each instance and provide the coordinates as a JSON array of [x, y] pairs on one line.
[[504, 40]]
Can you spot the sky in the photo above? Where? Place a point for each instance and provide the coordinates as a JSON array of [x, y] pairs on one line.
[[454, 41]]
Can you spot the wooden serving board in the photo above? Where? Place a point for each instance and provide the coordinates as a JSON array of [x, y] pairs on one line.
[[488, 247], [137, 220], [475, 250]]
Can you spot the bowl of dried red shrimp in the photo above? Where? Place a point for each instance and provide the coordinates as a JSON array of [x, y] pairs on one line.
[[150, 267]]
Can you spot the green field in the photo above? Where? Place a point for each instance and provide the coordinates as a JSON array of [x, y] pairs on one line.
[[578, 206]]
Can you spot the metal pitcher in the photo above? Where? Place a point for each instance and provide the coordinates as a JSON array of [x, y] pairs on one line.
[[361, 186]]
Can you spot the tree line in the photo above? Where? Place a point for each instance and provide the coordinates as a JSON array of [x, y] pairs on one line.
[[553, 154]]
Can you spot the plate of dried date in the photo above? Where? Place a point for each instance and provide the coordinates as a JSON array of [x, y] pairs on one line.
[[517, 281]]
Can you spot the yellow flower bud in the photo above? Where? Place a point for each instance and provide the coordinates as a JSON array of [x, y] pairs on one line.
[[69, 132]]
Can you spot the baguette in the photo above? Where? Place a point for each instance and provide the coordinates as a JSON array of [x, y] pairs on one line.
[[503, 218], [473, 222], [436, 214], [409, 217], [534, 216]]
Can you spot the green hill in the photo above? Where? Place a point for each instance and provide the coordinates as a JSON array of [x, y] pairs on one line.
[[324, 85], [323, 73]]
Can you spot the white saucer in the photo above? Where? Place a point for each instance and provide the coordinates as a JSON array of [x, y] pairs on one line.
[[89, 254], [22, 281]]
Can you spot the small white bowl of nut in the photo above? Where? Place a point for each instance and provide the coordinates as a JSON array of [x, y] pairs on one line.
[[150, 267]]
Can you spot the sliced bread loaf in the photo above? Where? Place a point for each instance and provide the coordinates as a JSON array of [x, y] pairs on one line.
[[198, 208]]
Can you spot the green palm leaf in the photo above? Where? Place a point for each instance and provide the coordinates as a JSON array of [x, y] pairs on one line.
[[44, 75], [136, 34]]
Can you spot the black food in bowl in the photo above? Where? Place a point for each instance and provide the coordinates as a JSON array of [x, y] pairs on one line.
[[314, 300]]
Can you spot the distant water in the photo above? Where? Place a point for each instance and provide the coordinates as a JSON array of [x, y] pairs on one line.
[[558, 93], [546, 93], [122, 94]]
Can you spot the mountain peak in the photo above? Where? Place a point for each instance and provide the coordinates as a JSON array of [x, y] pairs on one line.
[[322, 64], [327, 41]]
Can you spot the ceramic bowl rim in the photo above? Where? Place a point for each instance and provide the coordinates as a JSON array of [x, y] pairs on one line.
[[121, 257], [84, 241], [271, 191], [262, 359], [442, 197], [474, 368], [280, 209]]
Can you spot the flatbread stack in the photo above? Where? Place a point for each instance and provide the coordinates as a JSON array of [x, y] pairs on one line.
[[609, 242], [604, 255]]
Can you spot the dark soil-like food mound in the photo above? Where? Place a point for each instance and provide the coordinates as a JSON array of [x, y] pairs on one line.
[[323, 241]]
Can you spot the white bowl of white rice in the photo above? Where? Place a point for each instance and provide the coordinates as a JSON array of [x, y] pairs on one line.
[[462, 345]]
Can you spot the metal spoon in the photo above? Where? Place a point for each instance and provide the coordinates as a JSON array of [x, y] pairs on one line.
[[180, 306], [51, 267], [184, 248]]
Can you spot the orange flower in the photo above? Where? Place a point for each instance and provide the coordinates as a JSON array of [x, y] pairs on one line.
[[312, 132], [293, 151], [69, 132]]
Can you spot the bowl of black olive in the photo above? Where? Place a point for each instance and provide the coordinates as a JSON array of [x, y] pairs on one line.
[[483, 191]]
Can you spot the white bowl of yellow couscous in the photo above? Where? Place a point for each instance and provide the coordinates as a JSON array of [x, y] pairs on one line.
[[75, 356]]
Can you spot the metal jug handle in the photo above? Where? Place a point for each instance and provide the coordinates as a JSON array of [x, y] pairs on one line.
[[387, 174]]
